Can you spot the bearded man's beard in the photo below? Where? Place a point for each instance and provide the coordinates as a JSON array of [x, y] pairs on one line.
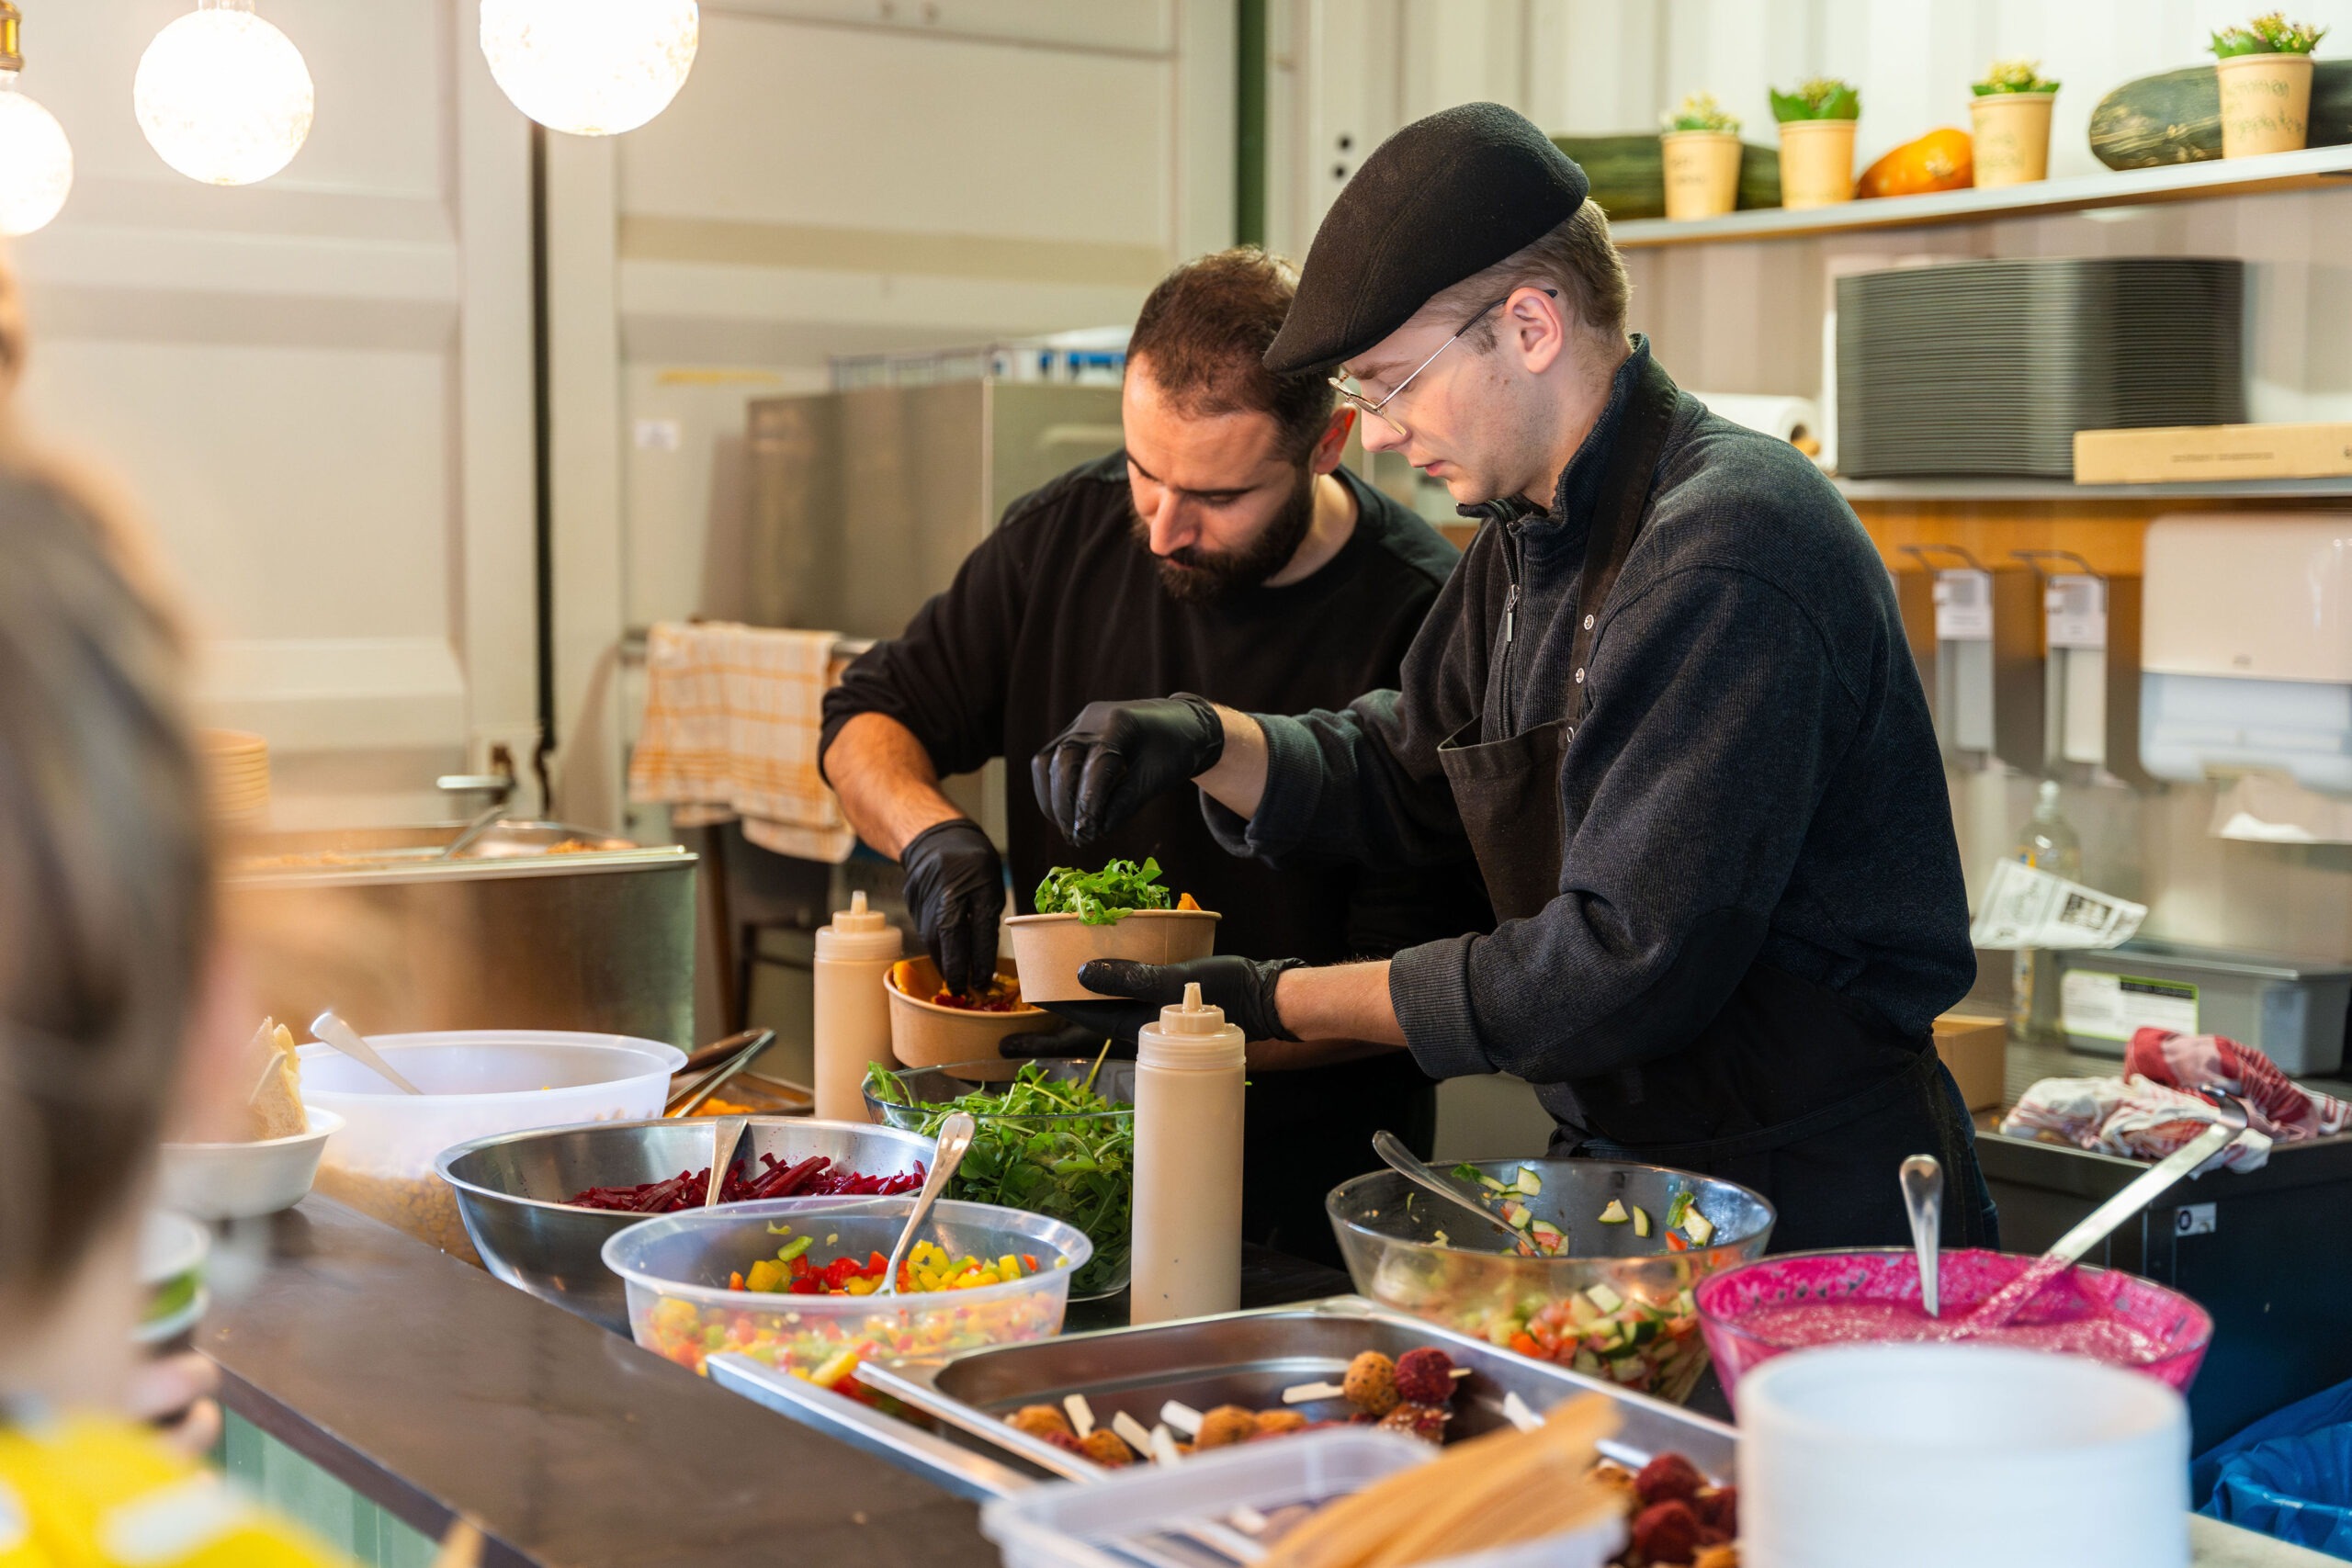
[[1194, 575]]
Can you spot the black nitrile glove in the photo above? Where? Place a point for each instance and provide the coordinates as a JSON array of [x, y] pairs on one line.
[[1069, 1040], [1115, 756], [1244, 987], [956, 892]]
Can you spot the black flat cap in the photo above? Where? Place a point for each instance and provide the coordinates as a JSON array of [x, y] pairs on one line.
[[1438, 201]]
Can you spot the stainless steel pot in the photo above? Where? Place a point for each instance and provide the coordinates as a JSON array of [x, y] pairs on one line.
[[535, 926]]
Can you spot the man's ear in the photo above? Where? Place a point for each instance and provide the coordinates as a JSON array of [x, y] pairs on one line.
[[1535, 325], [1333, 443]]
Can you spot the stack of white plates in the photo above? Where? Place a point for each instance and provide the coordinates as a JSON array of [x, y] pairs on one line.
[[1989, 367], [236, 776], [1959, 1456]]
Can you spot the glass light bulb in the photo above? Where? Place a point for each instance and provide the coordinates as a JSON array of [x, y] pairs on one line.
[[36, 161], [591, 67], [223, 97]]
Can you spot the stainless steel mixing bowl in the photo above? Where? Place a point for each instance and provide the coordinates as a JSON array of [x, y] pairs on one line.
[[511, 1191]]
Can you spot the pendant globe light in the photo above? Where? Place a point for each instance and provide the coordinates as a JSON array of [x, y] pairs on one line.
[[36, 161], [591, 67], [223, 97]]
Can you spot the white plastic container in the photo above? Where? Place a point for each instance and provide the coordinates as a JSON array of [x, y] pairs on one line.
[[242, 1181], [1162, 1513], [476, 1082], [853, 1006], [1190, 1073], [1957, 1456]]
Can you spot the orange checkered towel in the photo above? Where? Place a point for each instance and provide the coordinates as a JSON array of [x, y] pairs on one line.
[[732, 720]]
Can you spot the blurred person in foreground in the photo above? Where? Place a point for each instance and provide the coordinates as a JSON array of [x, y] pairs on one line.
[[1223, 549], [121, 1018]]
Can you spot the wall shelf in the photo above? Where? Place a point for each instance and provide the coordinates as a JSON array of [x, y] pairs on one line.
[[1964, 489], [2314, 168]]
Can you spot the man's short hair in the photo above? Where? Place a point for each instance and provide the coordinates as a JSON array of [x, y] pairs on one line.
[[1577, 259], [1206, 328]]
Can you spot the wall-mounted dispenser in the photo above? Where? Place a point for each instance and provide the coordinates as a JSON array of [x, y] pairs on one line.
[[1976, 633], [2091, 670], [2246, 650]]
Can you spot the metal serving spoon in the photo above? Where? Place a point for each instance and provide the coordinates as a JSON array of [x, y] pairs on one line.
[[1923, 1197], [726, 1132], [345, 1039], [1401, 1159], [954, 1142]]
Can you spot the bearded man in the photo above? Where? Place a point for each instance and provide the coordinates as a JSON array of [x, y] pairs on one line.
[[1224, 550]]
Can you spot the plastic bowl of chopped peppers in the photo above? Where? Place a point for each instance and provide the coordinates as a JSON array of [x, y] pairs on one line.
[[795, 1282], [1599, 1279]]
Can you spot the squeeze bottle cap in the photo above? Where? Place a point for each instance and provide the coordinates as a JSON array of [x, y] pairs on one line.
[[1193, 1035], [858, 932]]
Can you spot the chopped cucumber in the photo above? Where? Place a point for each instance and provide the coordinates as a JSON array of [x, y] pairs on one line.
[[1606, 1300], [1676, 1210], [1698, 1227], [1614, 1215], [1641, 1221], [1517, 1216], [1585, 1362], [1529, 1182]]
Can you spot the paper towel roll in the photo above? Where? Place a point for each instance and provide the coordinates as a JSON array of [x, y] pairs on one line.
[[1959, 1456], [1787, 418]]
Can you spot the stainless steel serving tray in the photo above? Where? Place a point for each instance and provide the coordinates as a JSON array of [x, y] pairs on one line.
[[1248, 1359]]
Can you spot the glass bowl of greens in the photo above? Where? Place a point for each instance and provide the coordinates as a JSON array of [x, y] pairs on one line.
[[1120, 911], [1059, 1140]]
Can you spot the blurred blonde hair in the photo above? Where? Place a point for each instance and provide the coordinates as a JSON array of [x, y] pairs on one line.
[[106, 895]]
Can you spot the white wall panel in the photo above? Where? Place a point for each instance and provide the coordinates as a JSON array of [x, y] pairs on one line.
[[319, 386]]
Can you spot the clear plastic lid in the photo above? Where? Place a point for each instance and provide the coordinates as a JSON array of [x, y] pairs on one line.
[[1192, 1035], [858, 934]]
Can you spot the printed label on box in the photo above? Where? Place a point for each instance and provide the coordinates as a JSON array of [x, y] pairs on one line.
[[2115, 1007]]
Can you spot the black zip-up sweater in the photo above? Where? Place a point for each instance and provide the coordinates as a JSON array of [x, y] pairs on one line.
[[1757, 771]]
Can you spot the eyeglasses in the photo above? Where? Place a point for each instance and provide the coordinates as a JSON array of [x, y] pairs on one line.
[[1350, 397]]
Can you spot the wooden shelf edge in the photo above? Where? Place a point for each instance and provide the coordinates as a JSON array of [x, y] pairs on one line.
[[2059, 489], [2314, 168]]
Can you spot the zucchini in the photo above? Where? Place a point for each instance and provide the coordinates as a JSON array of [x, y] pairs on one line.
[[2176, 118], [1628, 171]]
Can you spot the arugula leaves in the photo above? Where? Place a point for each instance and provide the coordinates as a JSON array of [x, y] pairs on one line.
[[1103, 897], [1048, 1147]]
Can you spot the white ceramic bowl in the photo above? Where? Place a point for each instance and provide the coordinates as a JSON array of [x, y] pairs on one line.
[[476, 1083], [241, 1182], [170, 1245], [1958, 1456]]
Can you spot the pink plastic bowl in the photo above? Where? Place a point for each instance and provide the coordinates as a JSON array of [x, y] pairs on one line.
[[2170, 1320]]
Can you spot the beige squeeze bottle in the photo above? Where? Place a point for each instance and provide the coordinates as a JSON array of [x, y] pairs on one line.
[[853, 958], [1189, 1074]]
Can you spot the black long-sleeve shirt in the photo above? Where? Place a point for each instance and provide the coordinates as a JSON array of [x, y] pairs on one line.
[[1060, 607], [1758, 765]]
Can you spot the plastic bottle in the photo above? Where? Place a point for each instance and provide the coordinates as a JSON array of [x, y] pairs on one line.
[[853, 1030], [1189, 1074], [2048, 843]]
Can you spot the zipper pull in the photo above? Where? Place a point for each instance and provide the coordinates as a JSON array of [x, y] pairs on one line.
[[1510, 603]]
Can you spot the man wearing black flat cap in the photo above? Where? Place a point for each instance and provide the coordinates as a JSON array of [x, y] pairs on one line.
[[1665, 702]]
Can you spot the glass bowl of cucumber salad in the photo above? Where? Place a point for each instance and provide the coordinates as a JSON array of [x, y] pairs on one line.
[[1597, 1276]]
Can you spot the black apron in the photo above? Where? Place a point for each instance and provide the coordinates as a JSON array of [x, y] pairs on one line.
[[1791, 1088]]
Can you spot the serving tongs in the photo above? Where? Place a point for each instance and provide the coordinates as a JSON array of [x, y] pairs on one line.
[[740, 1048]]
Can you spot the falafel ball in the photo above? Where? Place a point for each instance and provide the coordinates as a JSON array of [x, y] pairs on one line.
[[1107, 1449], [1039, 1420], [1371, 1383], [1225, 1425]]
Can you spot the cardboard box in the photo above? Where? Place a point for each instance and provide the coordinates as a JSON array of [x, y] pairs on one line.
[[2190, 453], [1976, 1050]]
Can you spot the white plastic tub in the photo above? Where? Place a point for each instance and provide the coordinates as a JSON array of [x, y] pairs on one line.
[[1158, 1513], [476, 1083]]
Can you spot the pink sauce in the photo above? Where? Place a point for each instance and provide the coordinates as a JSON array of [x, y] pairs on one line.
[[1803, 1324], [1759, 1310]]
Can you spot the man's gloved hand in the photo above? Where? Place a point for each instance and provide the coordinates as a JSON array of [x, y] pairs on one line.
[[1069, 1040], [956, 892], [1244, 987], [1115, 756]]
